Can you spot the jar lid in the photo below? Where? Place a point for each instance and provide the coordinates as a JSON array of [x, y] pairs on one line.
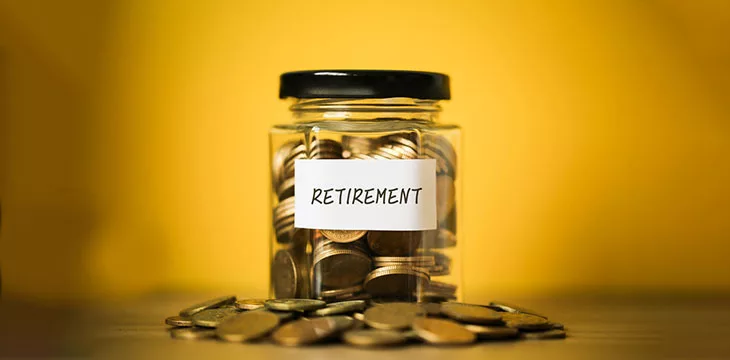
[[363, 84]]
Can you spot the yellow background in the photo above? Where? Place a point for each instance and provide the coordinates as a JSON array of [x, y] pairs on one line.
[[134, 137]]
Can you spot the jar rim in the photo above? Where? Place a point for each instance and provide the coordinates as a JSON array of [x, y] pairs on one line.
[[364, 84]]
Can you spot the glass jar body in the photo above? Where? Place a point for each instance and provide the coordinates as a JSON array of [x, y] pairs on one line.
[[367, 263]]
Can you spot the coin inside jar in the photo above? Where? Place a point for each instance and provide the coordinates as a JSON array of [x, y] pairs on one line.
[[395, 281], [340, 268], [343, 236], [284, 275], [394, 243]]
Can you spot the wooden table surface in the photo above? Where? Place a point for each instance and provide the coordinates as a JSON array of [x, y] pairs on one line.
[[599, 327]]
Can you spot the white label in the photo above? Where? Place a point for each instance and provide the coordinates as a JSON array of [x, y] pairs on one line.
[[365, 194]]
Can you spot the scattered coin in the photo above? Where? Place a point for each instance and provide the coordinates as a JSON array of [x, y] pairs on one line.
[[247, 326], [409, 321], [342, 307], [343, 236], [374, 338], [179, 321], [526, 322], [294, 304], [250, 304], [493, 332], [506, 307], [210, 304], [191, 333], [472, 314], [212, 317], [545, 335], [442, 331], [393, 316], [304, 332]]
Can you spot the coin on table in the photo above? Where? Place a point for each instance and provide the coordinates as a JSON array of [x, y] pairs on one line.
[[343, 236], [212, 317], [342, 307], [294, 304], [250, 304], [557, 326], [506, 307], [393, 316], [191, 333], [493, 332], [394, 281], [526, 322], [473, 314], [394, 243], [247, 326], [442, 331], [545, 335], [179, 321], [373, 338], [284, 275], [210, 304], [304, 332]]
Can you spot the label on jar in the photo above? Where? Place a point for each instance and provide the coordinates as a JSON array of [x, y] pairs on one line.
[[365, 194]]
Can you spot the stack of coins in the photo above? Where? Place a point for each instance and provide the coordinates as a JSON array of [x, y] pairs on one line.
[[361, 264], [359, 323]]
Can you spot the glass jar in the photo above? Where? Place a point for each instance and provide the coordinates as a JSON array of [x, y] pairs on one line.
[[376, 179]]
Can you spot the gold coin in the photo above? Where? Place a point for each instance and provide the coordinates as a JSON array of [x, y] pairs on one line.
[[179, 321], [442, 331], [304, 332], [394, 281], [473, 314], [506, 307], [339, 308], [247, 326], [210, 304], [493, 332], [213, 317], [373, 338], [250, 304], [294, 304], [343, 236], [340, 268], [393, 316], [526, 321]]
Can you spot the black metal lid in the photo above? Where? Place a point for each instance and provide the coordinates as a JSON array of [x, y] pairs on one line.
[[362, 84]]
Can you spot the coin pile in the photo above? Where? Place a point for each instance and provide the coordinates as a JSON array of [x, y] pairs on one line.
[[360, 264], [360, 323]]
